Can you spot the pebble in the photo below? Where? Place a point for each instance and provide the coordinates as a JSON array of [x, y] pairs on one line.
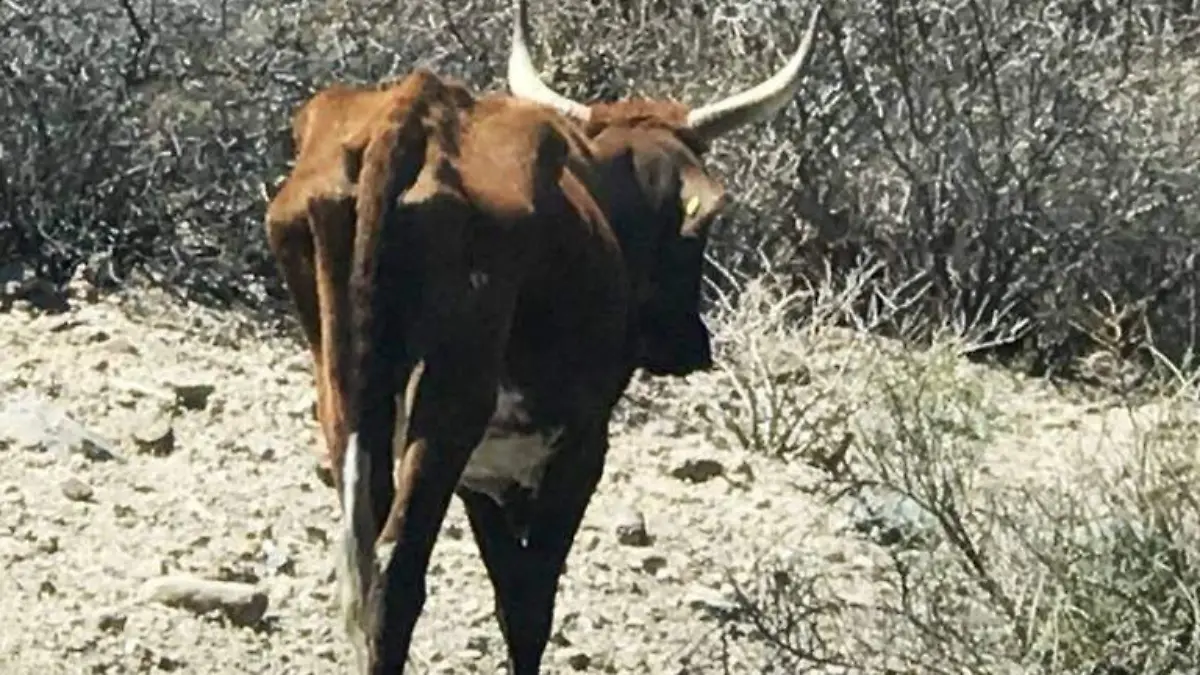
[[192, 395], [244, 604], [697, 469], [155, 436], [29, 423], [77, 491], [579, 660], [710, 601], [111, 622], [631, 528]]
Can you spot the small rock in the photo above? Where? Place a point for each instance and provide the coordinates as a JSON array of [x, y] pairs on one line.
[[697, 469], [890, 518], [77, 490], [651, 563], [560, 639], [579, 660], [192, 395], [316, 535], [121, 345], [96, 451], [479, 643], [156, 436], [631, 528], [587, 541], [48, 545], [21, 282], [243, 604], [710, 601], [111, 622], [169, 664], [276, 559], [65, 324], [33, 424]]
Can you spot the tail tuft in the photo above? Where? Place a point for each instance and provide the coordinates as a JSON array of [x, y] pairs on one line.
[[356, 559]]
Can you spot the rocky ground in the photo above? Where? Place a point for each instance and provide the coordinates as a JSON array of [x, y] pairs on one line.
[[141, 443], [145, 449]]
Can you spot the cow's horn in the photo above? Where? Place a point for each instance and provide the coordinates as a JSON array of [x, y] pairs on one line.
[[759, 103], [523, 79]]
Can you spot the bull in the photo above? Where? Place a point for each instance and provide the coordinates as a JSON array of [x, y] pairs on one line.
[[478, 278]]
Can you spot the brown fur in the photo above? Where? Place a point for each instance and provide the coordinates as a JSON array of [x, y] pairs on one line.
[[637, 111], [311, 221], [438, 246]]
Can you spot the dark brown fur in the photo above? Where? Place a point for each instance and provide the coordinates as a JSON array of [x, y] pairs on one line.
[[652, 166], [439, 245]]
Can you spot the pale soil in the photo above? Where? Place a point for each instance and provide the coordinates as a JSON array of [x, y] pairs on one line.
[[238, 499], [241, 481]]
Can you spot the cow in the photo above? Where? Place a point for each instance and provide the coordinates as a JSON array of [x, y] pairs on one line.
[[478, 278]]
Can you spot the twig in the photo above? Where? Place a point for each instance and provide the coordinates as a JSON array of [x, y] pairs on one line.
[[143, 36], [452, 27]]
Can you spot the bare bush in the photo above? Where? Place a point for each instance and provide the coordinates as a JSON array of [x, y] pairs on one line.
[[988, 150], [1026, 169], [1012, 530]]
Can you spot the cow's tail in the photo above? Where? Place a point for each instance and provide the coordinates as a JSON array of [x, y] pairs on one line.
[[390, 163]]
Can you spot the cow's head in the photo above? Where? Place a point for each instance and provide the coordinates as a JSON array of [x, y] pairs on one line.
[[660, 197]]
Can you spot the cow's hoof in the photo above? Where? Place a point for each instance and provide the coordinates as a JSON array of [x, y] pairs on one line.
[[324, 474]]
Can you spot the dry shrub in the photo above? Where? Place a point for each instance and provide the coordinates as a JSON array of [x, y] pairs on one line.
[[1012, 528], [1023, 169]]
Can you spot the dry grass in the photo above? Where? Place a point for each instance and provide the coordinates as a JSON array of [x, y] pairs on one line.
[[1010, 526]]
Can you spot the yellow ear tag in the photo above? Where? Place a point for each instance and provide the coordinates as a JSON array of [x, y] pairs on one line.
[[692, 206]]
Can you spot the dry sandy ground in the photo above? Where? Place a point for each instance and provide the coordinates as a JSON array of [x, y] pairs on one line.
[[235, 497]]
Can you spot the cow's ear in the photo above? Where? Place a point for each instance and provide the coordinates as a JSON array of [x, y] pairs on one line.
[[700, 197]]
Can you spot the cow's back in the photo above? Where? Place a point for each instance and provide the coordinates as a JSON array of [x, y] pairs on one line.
[[322, 128]]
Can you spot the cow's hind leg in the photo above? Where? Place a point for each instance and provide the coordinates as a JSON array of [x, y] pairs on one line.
[[525, 574], [447, 421], [332, 221], [452, 401], [291, 243]]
